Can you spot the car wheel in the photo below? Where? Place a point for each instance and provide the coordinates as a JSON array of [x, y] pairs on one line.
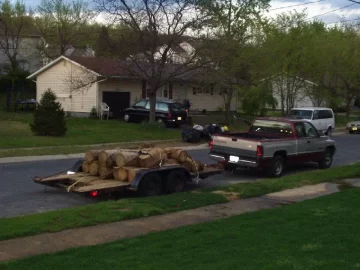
[[127, 118], [327, 159], [329, 131], [351, 132], [277, 166]]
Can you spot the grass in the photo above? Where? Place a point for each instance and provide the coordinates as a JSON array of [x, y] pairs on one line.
[[15, 132], [315, 234], [131, 208]]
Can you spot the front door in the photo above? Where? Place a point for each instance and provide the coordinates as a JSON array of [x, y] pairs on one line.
[[117, 101], [315, 144]]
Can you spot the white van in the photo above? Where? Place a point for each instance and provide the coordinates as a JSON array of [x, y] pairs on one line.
[[322, 118]]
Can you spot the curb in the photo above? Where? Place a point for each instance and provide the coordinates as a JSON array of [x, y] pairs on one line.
[[78, 155]]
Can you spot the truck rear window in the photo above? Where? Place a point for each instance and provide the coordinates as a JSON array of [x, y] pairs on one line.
[[273, 127]]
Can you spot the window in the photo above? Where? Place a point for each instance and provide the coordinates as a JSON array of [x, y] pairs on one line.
[[274, 127], [147, 106], [316, 115], [177, 107], [305, 114], [305, 130], [160, 106], [141, 103], [325, 114]]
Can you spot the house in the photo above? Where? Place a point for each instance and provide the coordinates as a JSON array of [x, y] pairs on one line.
[[81, 83]]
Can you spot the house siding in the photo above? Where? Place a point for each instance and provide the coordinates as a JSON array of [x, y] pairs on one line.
[[57, 79]]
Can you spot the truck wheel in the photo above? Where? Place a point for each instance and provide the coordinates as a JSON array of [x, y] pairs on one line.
[[329, 132], [277, 166], [150, 185], [327, 159], [175, 181]]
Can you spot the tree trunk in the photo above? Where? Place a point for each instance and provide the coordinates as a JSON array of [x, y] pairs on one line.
[[105, 173], [131, 173], [91, 156], [152, 99], [120, 174], [348, 105], [179, 155], [85, 167], [104, 155], [94, 168], [153, 158], [127, 159]]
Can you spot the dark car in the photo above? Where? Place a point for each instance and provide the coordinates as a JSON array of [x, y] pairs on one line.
[[167, 111]]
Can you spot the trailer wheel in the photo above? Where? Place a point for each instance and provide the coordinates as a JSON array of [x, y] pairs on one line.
[[175, 181], [150, 185]]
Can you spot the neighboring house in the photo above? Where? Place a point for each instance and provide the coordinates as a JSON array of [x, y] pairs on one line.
[[293, 92], [82, 83], [28, 57]]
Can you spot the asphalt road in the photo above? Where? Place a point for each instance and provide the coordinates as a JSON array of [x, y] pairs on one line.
[[19, 195]]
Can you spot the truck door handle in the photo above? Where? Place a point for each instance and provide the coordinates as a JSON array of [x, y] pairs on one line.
[[234, 139]]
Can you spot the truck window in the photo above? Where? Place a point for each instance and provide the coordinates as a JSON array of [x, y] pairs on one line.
[[273, 127], [305, 114]]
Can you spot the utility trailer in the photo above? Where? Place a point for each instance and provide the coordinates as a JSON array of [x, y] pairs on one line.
[[148, 182]]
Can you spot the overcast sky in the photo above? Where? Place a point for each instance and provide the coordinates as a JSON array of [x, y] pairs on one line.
[[323, 6]]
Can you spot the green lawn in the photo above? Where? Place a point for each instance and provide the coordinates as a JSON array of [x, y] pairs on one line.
[[131, 208], [15, 132], [316, 234]]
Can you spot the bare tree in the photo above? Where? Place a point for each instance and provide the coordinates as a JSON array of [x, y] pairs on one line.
[[59, 22], [13, 18], [156, 27]]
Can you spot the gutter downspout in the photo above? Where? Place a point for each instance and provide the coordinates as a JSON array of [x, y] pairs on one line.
[[98, 93]]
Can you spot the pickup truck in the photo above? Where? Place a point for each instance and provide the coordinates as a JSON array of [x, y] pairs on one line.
[[271, 144]]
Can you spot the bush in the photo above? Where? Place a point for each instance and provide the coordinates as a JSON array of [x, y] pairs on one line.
[[93, 113], [49, 117]]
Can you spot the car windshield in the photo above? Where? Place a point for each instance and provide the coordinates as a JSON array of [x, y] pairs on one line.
[[177, 107], [274, 127], [305, 114]]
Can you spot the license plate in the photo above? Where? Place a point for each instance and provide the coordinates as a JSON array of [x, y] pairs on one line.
[[179, 118], [233, 159], [354, 128]]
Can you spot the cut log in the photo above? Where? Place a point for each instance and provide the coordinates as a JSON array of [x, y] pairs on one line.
[[94, 168], [105, 154], [120, 174], [153, 158], [85, 167], [92, 155], [169, 151], [127, 159], [105, 173], [193, 165], [111, 161], [180, 155], [131, 173]]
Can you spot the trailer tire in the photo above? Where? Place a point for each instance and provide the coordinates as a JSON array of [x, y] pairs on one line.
[[151, 185], [175, 181], [77, 166]]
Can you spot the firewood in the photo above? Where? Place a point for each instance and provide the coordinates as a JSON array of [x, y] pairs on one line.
[[85, 167], [180, 155], [104, 155], [92, 155], [111, 161], [169, 151], [127, 159], [131, 173], [153, 159], [120, 174], [105, 172], [94, 168], [193, 165]]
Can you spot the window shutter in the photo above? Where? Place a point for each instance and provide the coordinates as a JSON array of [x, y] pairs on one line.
[[143, 90], [170, 90]]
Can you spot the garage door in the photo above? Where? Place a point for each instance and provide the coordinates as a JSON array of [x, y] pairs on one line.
[[117, 101]]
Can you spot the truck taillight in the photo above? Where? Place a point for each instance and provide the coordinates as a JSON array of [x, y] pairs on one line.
[[211, 143], [259, 151]]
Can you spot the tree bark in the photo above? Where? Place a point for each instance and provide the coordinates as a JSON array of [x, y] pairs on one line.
[[85, 167], [131, 173], [120, 174], [127, 159], [94, 168], [92, 155], [105, 173]]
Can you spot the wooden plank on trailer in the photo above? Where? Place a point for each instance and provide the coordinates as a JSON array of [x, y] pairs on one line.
[[84, 178], [63, 176], [101, 184]]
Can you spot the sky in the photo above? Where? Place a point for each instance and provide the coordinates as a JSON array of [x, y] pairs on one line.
[[313, 9]]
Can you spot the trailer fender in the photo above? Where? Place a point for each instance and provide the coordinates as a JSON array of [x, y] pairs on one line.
[[163, 172]]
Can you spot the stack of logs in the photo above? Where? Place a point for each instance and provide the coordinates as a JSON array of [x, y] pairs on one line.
[[122, 165]]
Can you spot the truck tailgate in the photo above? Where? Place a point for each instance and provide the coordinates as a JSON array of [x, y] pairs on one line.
[[226, 146]]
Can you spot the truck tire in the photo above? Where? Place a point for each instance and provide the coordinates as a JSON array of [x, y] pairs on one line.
[[151, 185], [175, 181], [277, 166], [326, 162]]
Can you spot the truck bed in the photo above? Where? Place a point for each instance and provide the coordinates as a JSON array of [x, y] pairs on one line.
[[254, 136]]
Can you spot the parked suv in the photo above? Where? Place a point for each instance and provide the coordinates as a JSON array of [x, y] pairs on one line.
[[322, 118], [167, 112]]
